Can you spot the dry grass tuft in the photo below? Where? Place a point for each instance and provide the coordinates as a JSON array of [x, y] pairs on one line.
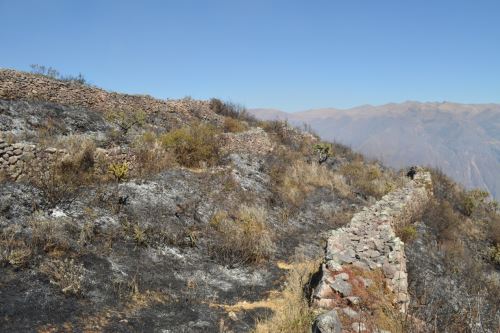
[[13, 248], [292, 313], [369, 178], [65, 274], [242, 237]]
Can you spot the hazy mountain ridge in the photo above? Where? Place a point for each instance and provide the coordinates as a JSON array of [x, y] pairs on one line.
[[461, 139]]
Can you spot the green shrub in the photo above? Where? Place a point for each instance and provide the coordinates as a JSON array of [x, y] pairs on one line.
[[193, 145], [323, 150], [407, 233], [119, 171]]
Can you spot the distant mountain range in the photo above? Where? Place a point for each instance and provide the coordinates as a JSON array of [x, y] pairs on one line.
[[463, 140]]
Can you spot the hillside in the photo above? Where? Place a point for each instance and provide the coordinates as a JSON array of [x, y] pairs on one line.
[[462, 140], [125, 213]]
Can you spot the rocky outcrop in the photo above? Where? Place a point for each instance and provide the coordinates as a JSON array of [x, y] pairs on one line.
[[367, 244]]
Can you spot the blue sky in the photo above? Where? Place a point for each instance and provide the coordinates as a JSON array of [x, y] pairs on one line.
[[291, 55]]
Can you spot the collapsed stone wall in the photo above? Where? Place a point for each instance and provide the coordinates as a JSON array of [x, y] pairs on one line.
[[368, 243], [16, 85]]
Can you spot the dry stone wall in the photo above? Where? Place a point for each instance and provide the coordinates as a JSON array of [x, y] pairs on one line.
[[368, 243], [15, 85]]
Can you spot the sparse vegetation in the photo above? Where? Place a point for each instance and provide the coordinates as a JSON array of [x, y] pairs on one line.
[[231, 110], [54, 74], [300, 178], [126, 118]]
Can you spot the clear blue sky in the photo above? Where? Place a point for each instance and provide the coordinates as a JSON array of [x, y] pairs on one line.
[[288, 54]]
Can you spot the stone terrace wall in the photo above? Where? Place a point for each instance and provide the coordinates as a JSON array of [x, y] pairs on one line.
[[368, 243], [15, 85], [20, 160]]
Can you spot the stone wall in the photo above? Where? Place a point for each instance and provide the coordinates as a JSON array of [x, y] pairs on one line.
[[15, 85], [368, 243], [20, 160]]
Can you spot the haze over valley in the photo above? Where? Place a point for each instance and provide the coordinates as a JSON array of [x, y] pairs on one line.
[[461, 139]]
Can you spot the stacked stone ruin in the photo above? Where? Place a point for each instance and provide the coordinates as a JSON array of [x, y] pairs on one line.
[[368, 243]]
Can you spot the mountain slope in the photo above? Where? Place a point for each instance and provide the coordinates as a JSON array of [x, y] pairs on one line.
[[461, 139]]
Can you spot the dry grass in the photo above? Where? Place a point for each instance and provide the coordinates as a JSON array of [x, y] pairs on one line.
[[376, 301], [369, 178], [301, 178], [242, 237], [52, 235], [67, 275], [13, 248], [291, 311]]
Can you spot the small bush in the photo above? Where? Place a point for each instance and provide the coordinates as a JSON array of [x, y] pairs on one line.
[[67, 275], [126, 118], [193, 145], [368, 178], [439, 215], [234, 125], [61, 180], [472, 199], [323, 150], [231, 110], [407, 233], [495, 254], [13, 248], [119, 170], [150, 157], [50, 234], [242, 238]]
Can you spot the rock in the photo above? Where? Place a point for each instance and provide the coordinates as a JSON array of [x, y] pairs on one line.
[[13, 159], [351, 313], [342, 276], [328, 322], [18, 151], [342, 287], [353, 300], [358, 327], [28, 156], [389, 270]]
